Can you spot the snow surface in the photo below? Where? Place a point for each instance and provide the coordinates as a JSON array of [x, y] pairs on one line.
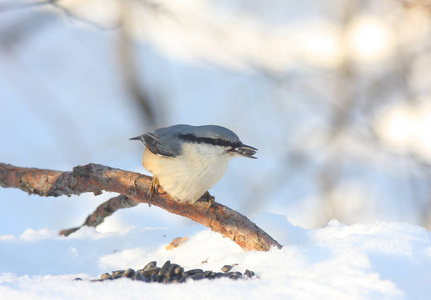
[[47, 76], [374, 261]]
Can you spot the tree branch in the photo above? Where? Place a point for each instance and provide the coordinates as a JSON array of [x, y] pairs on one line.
[[134, 189], [102, 211]]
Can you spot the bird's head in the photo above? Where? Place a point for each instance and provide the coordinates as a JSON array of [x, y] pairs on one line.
[[216, 139]]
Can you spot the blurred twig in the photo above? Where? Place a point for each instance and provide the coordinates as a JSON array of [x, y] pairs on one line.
[[129, 65], [341, 118], [15, 5]]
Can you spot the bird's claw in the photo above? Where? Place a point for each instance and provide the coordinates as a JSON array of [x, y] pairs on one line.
[[153, 189], [210, 199]]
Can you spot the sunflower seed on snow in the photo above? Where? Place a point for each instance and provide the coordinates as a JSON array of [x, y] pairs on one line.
[[197, 276], [194, 271], [129, 273], [226, 268], [118, 272], [106, 276], [179, 270], [150, 271], [165, 268], [118, 275], [150, 265], [235, 275], [173, 273], [138, 276], [220, 274], [155, 278], [248, 274]]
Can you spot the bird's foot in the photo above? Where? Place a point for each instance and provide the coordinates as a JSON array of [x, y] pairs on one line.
[[209, 199], [153, 189]]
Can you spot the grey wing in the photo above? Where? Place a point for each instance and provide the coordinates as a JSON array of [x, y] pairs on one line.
[[156, 145]]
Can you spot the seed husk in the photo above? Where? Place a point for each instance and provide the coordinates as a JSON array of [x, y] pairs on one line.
[[150, 265], [194, 271], [106, 276], [153, 270], [165, 268], [173, 273], [197, 276], [129, 273], [226, 268]]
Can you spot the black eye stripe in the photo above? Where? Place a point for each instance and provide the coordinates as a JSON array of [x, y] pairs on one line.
[[218, 142]]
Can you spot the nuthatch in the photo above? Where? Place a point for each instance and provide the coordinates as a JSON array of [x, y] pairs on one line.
[[188, 160]]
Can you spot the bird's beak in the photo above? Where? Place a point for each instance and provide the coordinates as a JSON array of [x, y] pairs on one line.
[[247, 151], [138, 138]]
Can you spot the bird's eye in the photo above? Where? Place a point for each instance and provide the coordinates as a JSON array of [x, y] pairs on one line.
[[218, 142]]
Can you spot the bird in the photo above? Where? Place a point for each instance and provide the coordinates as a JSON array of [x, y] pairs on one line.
[[186, 161]]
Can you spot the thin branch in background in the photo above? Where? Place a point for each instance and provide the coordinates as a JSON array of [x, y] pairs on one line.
[[74, 16], [330, 173], [15, 5], [127, 58]]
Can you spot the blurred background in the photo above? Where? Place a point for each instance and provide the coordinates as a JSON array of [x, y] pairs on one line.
[[335, 94]]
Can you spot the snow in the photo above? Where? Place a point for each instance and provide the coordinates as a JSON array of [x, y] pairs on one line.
[[360, 261], [61, 89]]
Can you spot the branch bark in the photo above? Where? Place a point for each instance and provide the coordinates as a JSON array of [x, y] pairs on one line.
[[133, 188], [102, 211]]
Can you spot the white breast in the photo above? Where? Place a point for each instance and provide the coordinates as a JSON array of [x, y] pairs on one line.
[[187, 177]]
